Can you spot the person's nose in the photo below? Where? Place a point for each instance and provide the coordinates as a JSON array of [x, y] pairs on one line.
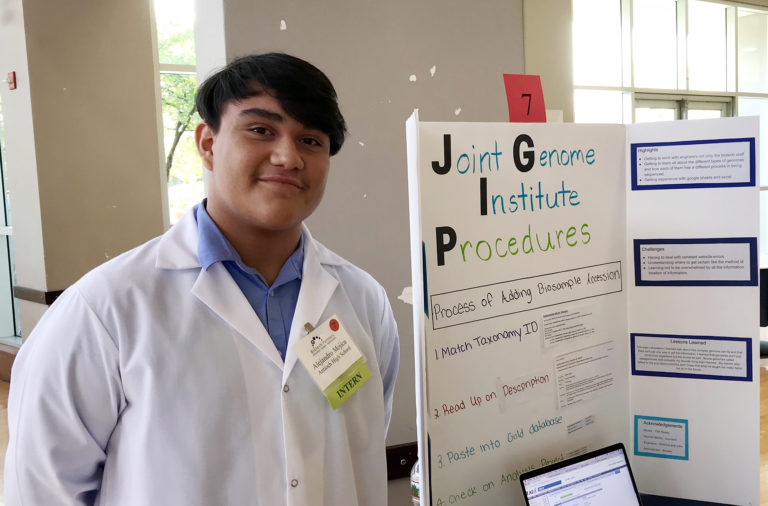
[[285, 154]]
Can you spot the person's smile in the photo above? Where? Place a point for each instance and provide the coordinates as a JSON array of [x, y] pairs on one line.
[[279, 181]]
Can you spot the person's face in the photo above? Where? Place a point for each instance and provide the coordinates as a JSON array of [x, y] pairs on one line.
[[267, 170]]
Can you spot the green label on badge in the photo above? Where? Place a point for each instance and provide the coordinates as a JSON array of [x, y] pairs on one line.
[[347, 384]]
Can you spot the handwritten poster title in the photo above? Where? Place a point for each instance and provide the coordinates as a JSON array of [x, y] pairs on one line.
[[528, 198]]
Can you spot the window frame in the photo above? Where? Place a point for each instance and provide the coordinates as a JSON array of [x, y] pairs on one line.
[[682, 102], [684, 96], [627, 71], [169, 69], [8, 343]]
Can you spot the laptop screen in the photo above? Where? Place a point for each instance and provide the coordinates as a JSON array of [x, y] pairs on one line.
[[598, 478]]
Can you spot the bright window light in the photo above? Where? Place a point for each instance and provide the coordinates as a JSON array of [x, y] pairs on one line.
[[176, 46], [654, 39], [597, 42], [706, 46]]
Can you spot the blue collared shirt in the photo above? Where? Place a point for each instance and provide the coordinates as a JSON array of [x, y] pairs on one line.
[[274, 304]]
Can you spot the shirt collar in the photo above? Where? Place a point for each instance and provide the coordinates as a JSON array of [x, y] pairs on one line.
[[213, 247]]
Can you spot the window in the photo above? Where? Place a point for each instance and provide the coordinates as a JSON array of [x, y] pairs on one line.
[[9, 323], [660, 107], [678, 59], [654, 44], [176, 49]]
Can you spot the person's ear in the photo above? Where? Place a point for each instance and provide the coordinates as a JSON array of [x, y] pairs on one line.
[[204, 142]]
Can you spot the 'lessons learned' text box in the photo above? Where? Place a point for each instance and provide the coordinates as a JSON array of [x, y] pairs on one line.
[[688, 356], [508, 297]]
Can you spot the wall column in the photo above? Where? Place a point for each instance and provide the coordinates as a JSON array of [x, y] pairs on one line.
[[83, 153]]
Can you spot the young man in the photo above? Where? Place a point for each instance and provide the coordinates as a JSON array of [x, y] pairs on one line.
[[169, 375]]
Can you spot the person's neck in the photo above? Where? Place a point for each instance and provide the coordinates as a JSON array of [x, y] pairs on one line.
[[266, 251]]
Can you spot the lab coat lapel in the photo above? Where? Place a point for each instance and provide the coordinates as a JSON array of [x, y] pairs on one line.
[[317, 287], [217, 290]]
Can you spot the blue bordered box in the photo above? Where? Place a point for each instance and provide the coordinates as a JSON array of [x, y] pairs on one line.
[[633, 162], [747, 356], [660, 421], [753, 266]]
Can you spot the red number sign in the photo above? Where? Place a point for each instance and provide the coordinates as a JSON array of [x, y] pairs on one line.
[[525, 99]]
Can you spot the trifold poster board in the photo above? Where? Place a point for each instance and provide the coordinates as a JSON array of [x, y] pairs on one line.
[[580, 285]]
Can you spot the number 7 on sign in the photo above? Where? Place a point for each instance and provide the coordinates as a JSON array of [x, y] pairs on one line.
[[525, 98], [528, 96]]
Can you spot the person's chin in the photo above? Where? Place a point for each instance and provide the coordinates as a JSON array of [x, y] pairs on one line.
[[280, 222]]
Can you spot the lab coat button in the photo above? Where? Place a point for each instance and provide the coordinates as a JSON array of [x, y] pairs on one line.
[[294, 483], [286, 388]]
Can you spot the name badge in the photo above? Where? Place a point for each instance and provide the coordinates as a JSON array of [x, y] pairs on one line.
[[334, 362]]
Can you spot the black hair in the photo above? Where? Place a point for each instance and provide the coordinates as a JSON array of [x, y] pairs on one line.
[[302, 90]]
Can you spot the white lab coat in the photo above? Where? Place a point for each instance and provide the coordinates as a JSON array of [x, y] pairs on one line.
[[153, 382]]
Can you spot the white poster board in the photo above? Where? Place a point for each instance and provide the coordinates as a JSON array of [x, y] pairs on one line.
[[523, 269], [693, 309]]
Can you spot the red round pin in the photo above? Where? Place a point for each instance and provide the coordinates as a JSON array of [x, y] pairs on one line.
[[334, 325]]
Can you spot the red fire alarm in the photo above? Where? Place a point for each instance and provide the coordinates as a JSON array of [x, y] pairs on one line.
[[11, 80]]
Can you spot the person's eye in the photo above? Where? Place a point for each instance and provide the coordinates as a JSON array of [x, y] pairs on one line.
[[261, 130], [311, 141]]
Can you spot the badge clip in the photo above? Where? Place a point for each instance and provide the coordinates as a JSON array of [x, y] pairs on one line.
[[333, 361]]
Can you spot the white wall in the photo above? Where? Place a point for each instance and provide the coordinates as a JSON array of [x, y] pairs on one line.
[[549, 51], [83, 153]]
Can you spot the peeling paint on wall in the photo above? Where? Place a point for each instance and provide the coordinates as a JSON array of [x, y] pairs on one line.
[[283, 26], [407, 295], [432, 70], [412, 78]]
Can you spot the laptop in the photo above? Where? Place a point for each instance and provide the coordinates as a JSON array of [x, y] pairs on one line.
[[598, 478]]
